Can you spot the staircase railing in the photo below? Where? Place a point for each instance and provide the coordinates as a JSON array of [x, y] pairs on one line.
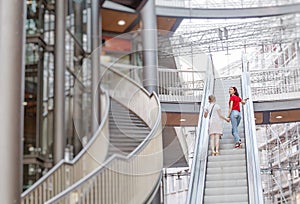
[[173, 84], [124, 179], [255, 192], [198, 168], [65, 173]]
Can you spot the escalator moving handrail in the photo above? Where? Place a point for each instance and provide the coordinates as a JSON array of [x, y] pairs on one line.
[[198, 168], [252, 159]]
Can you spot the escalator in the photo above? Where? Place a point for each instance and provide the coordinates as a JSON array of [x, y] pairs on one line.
[[226, 178], [123, 161], [234, 175]]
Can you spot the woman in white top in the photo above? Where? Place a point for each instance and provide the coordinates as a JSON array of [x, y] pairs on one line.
[[215, 127]]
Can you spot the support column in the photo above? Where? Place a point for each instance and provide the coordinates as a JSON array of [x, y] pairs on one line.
[[149, 35], [96, 52], [150, 56], [39, 107], [59, 81], [78, 89], [12, 41]]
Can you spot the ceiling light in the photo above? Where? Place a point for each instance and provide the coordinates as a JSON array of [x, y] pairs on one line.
[[182, 120], [24, 103], [278, 117], [121, 22]]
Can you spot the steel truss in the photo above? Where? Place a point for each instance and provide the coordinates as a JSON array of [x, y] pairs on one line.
[[254, 33], [223, 3]]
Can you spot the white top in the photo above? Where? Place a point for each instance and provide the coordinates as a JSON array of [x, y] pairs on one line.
[[215, 121]]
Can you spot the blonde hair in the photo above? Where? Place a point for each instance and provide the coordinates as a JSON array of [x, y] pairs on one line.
[[212, 98]]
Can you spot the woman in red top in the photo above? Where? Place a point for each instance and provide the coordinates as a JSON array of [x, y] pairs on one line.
[[234, 114]]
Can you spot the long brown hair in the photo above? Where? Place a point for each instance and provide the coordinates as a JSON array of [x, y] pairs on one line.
[[235, 91]]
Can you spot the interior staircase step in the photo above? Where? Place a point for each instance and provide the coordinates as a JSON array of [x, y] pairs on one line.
[[226, 183], [227, 146], [234, 163], [217, 170], [114, 138], [231, 202], [123, 118], [229, 140], [126, 129], [226, 198], [226, 191], [226, 176], [227, 157], [125, 124], [232, 151]]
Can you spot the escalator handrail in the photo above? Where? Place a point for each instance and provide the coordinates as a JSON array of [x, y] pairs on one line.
[[252, 159], [198, 168]]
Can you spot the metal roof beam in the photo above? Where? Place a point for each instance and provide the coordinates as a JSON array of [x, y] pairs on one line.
[[227, 13]]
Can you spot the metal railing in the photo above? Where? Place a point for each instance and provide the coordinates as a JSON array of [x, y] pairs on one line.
[[173, 84], [180, 85], [275, 84], [124, 179], [198, 168], [65, 173], [255, 193], [223, 3]]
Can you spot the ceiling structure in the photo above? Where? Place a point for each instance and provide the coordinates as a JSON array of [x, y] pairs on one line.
[[121, 21], [224, 37], [133, 4]]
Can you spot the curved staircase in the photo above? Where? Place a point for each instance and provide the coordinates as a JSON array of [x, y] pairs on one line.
[[126, 130], [130, 148]]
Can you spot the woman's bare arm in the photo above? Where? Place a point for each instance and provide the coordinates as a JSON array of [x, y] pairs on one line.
[[244, 101], [205, 114], [230, 108]]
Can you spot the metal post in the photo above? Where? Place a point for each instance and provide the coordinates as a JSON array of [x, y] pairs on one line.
[[78, 115], [149, 35], [40, 85], [59, 81], [298, 53], [96, 52], [12, 41], [40, 90]]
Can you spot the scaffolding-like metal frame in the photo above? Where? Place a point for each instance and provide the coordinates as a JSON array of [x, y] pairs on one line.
[[225, 37], [280, 167]]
